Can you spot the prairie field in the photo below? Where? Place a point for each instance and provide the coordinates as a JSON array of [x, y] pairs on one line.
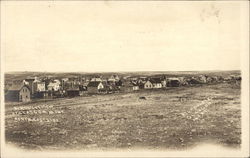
[[172, 118]]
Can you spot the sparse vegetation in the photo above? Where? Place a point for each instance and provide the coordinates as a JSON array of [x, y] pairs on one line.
[[173, 118]]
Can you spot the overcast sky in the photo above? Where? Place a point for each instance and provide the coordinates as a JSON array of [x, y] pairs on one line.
[[121, 36]]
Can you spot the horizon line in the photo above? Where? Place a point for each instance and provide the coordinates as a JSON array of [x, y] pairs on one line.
[[120, 71]]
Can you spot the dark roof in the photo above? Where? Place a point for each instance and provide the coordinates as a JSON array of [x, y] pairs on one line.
[[155, 80], [94, 84], [17, 87]]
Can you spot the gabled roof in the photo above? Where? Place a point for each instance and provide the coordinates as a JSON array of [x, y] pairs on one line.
[[17, 87], [155, 80], [94, 83]]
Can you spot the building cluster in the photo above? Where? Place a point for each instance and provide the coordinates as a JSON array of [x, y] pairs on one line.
[[49, 87]]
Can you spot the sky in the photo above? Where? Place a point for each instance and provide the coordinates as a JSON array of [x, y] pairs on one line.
[[121, 36]]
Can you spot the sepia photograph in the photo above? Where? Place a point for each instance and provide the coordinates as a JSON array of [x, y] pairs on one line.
[[124, 79]]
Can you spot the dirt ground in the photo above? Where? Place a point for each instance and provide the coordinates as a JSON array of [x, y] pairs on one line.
[[175, 118]]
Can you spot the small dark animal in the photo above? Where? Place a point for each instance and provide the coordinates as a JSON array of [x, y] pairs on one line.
[[142, 98]]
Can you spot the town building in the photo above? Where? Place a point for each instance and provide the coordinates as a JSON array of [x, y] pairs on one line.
[[113, 78], [30, 82], [173, 82], [156, 82], [148, 85], [54, 85], [18, 93], [83, 89], [95, 87]]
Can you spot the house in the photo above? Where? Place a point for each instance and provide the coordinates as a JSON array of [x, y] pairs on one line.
[[83, 89], [173, 82], [148, 85], [54, 85], [203, 78], [113, 78], [30, 82], [64, 81], [156, 82], [95, 87], [36, 86], [39, 86], [39, 89], [129, 87], [163, 83], [19, 93], [113, 81]]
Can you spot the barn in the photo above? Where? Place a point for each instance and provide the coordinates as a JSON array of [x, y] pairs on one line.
[[18, 93]]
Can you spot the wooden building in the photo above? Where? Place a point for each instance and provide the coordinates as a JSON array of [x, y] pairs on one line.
[[18, 93], [129, 87], [148, 85], [156, 82], [95, 87], [173, 82]]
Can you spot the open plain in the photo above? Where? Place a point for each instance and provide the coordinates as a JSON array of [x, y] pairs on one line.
[[172, 118]]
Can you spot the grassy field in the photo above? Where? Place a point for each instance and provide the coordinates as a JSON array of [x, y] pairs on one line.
[[175, 118]]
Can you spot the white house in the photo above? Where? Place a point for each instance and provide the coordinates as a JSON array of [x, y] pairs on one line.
[[156, 82], [55, 85], [39, 86], [148, 85]]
